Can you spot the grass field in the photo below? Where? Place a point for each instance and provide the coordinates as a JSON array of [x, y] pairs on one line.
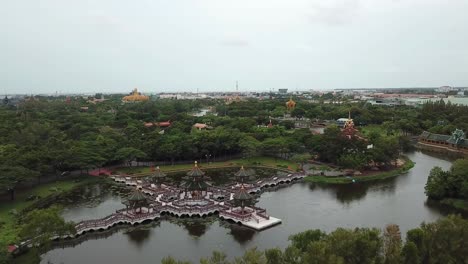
[[8, 228], [376, 177], [366, 130], [255, 161]]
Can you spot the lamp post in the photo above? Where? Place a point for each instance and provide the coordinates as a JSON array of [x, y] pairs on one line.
[[208, 156]]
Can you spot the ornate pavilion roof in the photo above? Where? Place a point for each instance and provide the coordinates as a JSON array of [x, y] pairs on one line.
[[242, 194], [158, 173], [195, 172], [137, 195], [457, 138], [242, 173], [195, 185]]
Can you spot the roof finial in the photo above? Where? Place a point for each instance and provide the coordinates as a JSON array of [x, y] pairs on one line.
[[196, 163], [349, 114]]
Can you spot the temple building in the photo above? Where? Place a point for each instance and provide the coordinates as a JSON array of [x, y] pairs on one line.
[[242, 199], [455, 143], [348, 128], [135, 96], [137, 202], [242, 175], [6, 101], [290, 105], [157, 177], [196, 184]]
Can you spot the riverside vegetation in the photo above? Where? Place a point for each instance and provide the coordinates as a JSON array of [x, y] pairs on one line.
[[443, 241]]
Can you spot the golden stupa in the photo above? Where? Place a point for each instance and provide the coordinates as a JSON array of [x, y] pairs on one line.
[[290, 104], [135, 96]]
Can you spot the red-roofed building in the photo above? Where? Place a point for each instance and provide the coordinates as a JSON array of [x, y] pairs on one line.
[[200, 126], [159, 124], [164, 124], [11, 248]]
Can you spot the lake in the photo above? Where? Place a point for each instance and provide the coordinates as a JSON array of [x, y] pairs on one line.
[[301, 206]]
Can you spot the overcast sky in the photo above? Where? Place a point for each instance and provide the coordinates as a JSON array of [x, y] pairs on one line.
[[182, 45]]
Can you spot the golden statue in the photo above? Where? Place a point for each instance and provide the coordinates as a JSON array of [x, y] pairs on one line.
[[135, 96]]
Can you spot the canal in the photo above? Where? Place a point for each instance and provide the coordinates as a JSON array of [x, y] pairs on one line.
[[301, 206]]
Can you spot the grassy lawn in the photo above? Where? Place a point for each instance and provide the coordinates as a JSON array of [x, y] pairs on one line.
[[8, 228], [376, 177], [255, 161], [366, 130]]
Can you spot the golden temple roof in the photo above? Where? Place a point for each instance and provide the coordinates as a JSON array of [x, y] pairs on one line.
[[135, 97], [290, 104]]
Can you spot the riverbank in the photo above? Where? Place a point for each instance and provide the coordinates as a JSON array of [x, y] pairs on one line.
[[378, 176], [457, 204], [11, 210], [270, 162]]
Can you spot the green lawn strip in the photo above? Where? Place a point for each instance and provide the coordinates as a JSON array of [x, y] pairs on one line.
[[255, 161], [8, 228], [376, 177], [366, 130]]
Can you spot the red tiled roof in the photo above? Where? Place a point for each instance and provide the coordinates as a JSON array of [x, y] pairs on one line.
[[164, 124], [11, 248]]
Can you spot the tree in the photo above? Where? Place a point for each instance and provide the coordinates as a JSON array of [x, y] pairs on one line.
[[353, 161], [171, 260], [128, 154], [301, 158], [217, 257], [274, 256], [249, 146], [409, 254], [4, 255], [298, 112], [392, 244], [252, 256], [358, 246], [41, 225], [302, 240], [435, 185], [11, 177]]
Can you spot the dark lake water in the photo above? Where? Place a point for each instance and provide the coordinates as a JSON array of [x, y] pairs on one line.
[[301, 206]]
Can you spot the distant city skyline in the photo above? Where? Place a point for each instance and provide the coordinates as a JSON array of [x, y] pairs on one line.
[[113, 46]]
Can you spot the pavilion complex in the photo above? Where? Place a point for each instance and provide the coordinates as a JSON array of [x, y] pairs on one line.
[[152, 198], [135, 96], [455, 143]]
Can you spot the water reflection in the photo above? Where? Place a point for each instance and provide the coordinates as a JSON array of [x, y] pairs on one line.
[[140, 235], [346, 194], [240, 233], [196, 227]]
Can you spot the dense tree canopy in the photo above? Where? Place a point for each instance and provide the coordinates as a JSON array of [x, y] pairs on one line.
[[449, 184], [50, 135], [443, 241]]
